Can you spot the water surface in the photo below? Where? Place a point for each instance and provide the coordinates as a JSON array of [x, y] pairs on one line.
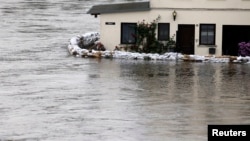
[[48, 95]]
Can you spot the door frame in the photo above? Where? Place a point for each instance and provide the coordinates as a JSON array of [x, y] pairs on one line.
[[180, 34]]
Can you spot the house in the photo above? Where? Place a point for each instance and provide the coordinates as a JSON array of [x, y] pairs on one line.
[[202, 27]]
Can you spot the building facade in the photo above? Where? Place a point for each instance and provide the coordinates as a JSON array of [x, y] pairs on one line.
[[201, 27]]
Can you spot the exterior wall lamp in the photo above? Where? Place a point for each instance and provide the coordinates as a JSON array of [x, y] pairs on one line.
[[174, 15]]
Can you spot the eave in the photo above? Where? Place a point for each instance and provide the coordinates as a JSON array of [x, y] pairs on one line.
[[119, 8]]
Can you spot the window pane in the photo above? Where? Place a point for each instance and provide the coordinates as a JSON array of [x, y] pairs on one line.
[[210, 28], [210, 40], [210, 33], [128, 33], [204, 27], [207, 34], [204, 39], [203, 33], [163, 31]]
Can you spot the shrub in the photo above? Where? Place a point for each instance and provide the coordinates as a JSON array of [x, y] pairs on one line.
[[244, 49], [146, 36]]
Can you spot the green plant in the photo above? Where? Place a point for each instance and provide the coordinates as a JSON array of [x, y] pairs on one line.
[[146, 36], [171, 42]]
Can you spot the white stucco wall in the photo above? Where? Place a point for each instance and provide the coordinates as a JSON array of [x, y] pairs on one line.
[[232, 4], [111, 34]]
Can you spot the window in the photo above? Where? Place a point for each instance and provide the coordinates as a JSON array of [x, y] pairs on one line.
[[128, 32], [163, 31], [207, 34]]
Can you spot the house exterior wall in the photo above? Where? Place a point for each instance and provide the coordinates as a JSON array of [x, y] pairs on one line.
[[111, 34], [218, 4]]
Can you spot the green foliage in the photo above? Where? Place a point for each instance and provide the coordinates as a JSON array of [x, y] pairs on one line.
[[146, 41], [171, 42], [146, 36]]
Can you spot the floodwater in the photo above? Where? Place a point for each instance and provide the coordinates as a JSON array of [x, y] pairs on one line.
[[48, 95]]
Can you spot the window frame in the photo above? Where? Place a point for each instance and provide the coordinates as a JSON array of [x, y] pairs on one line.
[[161, 38], [207, 36], [122, 33]]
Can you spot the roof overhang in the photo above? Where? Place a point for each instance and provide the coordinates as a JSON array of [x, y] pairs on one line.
[[119, 8]]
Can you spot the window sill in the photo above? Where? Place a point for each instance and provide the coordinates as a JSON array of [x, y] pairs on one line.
[[207, 45], [124, 44]]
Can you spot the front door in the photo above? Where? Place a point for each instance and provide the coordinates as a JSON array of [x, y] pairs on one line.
[[185, 38]]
